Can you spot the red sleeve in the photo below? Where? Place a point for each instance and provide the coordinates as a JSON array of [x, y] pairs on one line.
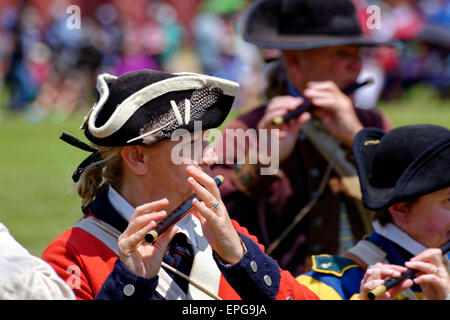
[[289, 287], [81, 261]]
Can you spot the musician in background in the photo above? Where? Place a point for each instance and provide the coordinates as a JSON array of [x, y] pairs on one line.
[[144, 164], [320, 43], [404, 179]]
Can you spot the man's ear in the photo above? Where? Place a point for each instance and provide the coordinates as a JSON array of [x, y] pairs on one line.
[[400, 213], [134, 158]]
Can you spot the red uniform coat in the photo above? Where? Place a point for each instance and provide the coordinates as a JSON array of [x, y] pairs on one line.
[[85, 263]]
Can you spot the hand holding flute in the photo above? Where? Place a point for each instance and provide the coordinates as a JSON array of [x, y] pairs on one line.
[[307, 105], [176, 215], [213, 215], [386, 281], [332, 106], [143, 258], [140, 258]]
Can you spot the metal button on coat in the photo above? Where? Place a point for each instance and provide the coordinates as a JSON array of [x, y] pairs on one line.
[[302, 136], [267, 280], [314, 172], [253, 266], [315, 194], [128, 290]]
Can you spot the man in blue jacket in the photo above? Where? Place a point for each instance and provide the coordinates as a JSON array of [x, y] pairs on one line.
[[404, 178]]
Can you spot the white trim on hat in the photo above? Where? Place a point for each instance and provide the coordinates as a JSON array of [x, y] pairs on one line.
[[177, 112], [123, 112], [150, 132], [179, 118], [102, 87], [187, 111]]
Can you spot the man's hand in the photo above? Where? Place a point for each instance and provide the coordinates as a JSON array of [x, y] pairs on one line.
[[288, 132], [432, 275], [142, 258], [334, 109], [375, 276], [216, 222]]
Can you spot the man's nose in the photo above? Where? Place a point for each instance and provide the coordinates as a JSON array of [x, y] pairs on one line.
[[355, 63]]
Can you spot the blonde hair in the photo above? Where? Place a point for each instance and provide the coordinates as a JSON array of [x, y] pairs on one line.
[[109, 169]]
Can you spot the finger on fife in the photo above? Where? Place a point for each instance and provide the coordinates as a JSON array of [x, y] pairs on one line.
[[177, 214]]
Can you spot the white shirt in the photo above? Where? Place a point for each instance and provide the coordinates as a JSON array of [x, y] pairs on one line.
[[396, 235], [204, 268]]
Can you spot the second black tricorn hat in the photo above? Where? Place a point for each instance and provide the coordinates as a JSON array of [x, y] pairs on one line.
[[304, 24], [403, 164]]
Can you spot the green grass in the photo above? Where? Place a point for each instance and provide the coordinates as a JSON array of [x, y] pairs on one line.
[[418, 105], [36, 200]]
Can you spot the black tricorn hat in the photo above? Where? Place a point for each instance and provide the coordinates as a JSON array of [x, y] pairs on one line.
[[304, 24], [403, 164], [145, 106]]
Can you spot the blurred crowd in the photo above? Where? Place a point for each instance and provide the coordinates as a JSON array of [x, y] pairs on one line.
[[47, 68], [421, 29]]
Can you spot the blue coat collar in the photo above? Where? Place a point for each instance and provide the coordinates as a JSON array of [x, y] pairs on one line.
[[102, 209]]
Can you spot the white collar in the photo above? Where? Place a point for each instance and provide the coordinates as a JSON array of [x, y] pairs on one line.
[[396, 235], [125, 209], [122, 206]]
